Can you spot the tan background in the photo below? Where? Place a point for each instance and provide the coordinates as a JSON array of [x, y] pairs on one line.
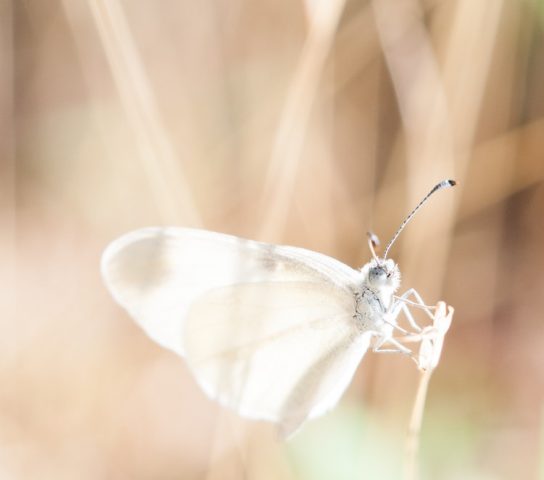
[[291, 122]]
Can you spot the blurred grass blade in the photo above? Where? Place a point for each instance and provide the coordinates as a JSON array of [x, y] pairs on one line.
[[169, 187]]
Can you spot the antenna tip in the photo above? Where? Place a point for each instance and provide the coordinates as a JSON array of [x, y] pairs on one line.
[[373, 238], [444, 184]]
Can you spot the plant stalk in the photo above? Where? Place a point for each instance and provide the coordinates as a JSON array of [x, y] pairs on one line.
[[411, 470]]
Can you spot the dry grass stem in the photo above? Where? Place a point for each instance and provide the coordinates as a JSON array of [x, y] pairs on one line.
[[414, 427], [293, 123], [169, 186], [430, 349]]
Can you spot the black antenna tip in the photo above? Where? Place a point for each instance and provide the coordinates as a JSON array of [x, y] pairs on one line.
[[450, 183]]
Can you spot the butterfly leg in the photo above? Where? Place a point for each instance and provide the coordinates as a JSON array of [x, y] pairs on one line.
[[395, 309], [398, 347], [409, 317], [383, 339], [402, 303], [419, 303]]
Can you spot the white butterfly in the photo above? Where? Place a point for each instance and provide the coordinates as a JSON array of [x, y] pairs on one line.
[[273, 332]]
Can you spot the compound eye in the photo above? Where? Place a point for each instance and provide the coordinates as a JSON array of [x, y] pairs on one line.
[[377, 276]]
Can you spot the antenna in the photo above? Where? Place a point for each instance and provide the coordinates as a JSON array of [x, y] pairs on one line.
[[438, 186], [373, 243]]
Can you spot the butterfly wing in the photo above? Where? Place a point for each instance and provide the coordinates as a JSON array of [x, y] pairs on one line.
[[156, 273], [266, 329], [280, 351]]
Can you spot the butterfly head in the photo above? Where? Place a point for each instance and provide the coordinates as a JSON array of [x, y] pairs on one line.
[[382, 274]]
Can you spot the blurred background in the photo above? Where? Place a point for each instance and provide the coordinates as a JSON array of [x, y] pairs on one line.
[[306, 123]]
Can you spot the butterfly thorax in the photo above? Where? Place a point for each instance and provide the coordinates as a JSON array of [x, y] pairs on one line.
[[379, 281], [371, 309]]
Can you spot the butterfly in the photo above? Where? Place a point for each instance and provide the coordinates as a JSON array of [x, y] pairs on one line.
[[274, 332]]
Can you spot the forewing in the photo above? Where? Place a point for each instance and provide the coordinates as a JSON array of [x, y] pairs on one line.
[[157, 273], [280, 351]]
